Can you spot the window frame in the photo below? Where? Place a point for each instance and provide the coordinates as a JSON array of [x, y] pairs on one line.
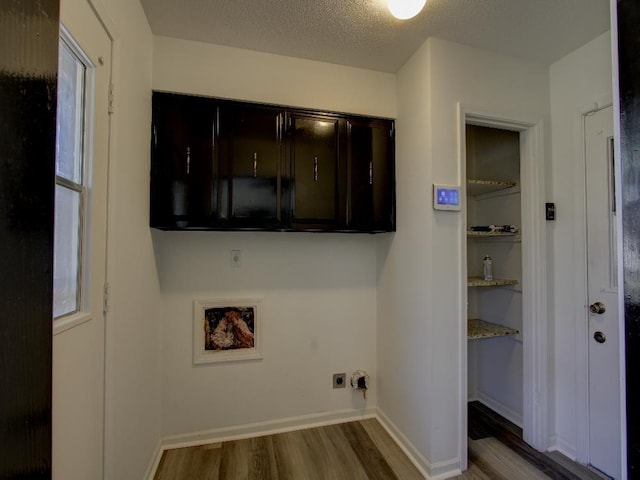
[[82, 312]]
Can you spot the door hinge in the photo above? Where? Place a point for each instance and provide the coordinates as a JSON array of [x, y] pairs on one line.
[[106, 298], [111, 107]]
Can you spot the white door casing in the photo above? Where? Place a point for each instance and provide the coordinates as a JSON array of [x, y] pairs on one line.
[[534, 273], [78, 352], [602, 278]]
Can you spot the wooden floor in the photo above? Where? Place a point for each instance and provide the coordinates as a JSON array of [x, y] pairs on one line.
[[349, 451], [497, 451], [364, 450]]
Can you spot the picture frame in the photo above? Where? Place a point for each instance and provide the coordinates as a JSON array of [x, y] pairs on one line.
[[226, 330]]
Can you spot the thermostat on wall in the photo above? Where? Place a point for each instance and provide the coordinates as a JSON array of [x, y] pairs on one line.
[[446, 197]]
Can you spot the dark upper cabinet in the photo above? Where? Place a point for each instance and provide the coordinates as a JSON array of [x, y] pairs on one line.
[[317, 174], [183, 172], [251, 162], [371, 169], [226, 165]]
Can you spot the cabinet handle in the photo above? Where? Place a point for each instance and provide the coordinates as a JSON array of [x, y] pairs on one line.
[[255, 164], [315, 169], [188, 159], [370, 173]]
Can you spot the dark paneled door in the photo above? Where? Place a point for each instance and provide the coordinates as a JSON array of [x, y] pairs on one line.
[[28, 70]]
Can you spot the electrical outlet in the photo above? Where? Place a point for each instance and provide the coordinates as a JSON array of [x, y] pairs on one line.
[[339, 380]]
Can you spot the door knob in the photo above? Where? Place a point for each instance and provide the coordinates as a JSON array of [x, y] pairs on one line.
[[598, 308], [600, 337]]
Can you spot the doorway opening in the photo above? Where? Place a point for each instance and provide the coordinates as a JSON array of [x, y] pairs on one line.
[[505, 222]]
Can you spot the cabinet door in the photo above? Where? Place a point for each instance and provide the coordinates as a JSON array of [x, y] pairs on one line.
[[370, 148], [183, 183], [252, 166], [318, 178]]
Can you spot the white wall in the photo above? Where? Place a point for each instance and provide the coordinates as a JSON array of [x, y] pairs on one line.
[[420, 268], [203, 69], [132, 422], [318, 316], [318, 290], [404, 259], [578, 82]]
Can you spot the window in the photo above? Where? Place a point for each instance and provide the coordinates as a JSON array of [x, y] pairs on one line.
[[70, 190]]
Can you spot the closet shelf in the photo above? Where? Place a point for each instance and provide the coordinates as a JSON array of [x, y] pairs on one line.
[[474, 234], [479, 187], [481, 282], [477, 328]]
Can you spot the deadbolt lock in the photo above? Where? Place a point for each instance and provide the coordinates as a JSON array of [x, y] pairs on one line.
[[598, 308], [600, 337]]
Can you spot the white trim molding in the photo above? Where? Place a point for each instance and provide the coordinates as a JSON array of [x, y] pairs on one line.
[[421, 463], [107, 22], [463, 359], [501, 409], [558, 444]]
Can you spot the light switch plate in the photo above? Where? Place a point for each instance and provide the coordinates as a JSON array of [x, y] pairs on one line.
[[550, 211]]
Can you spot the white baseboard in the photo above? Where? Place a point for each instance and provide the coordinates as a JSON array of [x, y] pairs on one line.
[[152, 468], [501, 409], [432, 471], [558, 444], [421, 463], [446, 469], [258, 429]]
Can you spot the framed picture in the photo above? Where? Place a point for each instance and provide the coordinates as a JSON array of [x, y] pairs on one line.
[[226, 331]]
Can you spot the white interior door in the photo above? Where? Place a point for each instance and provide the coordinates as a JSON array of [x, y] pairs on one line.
[[78, 342], [604, 348]]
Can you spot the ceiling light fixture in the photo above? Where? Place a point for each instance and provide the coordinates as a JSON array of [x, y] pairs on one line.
[[405, 9]]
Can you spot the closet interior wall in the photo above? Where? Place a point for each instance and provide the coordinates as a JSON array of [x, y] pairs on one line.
[[495, 368]]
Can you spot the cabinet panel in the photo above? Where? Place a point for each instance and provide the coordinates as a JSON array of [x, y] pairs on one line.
[[183, 186], [360, 151], [371, 175], [317, 176], [251, 166]]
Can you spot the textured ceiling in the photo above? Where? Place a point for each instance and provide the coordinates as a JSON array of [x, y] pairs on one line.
[[362, 33]]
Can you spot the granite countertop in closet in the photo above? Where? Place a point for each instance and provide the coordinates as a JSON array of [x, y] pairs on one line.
[[477, 328]]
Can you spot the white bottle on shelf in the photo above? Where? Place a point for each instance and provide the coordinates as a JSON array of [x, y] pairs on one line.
[[487, 265]]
